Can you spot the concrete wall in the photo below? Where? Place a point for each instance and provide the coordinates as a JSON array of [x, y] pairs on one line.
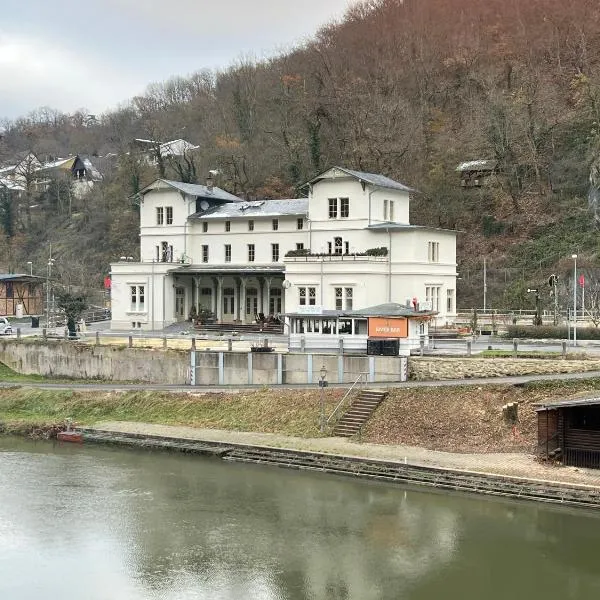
[[110, 363], [80, 361]]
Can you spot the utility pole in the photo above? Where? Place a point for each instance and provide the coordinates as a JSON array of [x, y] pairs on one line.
[[484, 283], [574, 257], [48, 275]]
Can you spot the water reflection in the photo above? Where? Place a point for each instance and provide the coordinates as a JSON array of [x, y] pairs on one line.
[[124, 524]]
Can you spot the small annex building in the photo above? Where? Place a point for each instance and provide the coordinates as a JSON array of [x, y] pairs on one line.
[[389, 329], [26, 291], [569, 431]]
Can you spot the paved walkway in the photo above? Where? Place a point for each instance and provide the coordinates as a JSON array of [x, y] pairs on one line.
[[513, 465], [131, 387]]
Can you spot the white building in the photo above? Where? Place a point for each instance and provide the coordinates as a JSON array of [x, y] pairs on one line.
[[348, 246]]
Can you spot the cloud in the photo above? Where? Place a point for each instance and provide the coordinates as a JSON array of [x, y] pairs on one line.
[[37, 72]]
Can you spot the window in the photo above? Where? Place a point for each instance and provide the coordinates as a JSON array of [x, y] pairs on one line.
[[204, 227], [329, 247], [251, 253], [169, 210], [275, 252], [204, 253], [227, 252], [307, 296], [300, 246], [250, 225], [166, 252], [137, 298], [227, 225], [160, 215], [433, 252], [450, 301], [337, 241], [251, 301], [347, 247], [432, 295], [344, 208], [391, 210], [385, 210], [275, 224], [275, 301], [343, 298], [333, 208], [300, 224]]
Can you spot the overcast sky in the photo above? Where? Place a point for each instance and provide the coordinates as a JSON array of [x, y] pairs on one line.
[[96, 54]]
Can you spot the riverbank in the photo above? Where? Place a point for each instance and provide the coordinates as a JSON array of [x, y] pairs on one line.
[[462, 419], [511, 475]]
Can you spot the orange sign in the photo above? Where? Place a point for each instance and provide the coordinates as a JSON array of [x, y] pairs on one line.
[[388, 328]]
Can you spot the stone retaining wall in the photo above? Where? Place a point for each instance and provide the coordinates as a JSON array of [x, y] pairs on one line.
[[426, 369]]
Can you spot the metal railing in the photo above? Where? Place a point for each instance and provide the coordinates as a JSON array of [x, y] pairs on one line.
[[341, 402]]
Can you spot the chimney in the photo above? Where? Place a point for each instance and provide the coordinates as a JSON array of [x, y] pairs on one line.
[[209, 183]]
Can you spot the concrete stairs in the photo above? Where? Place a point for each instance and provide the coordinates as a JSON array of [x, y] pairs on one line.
[[358, 413]]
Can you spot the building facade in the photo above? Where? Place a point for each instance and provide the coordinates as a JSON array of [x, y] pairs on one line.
[[348, 245]]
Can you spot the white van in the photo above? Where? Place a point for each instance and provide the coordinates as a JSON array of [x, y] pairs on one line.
[[5, 326]]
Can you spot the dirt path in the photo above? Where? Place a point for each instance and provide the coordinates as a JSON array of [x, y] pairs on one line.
[[510, 464]]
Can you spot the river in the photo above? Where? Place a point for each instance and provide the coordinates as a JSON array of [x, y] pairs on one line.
[[101, 523]]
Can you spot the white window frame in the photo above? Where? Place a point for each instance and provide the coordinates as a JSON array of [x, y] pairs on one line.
[[251, 253], [433, 252], [205, 253], [307, 295], [275, 252], [160, 215], [227, 253], [169, 215], [432, 294], [450, 301], [137, 296]]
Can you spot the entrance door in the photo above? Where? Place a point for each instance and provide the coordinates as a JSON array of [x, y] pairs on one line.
[[228, 304], [274, 301], [180, 303], [251, 303]]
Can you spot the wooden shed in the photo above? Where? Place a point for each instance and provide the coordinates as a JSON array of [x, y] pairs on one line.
[[569, 431], [26, 290]]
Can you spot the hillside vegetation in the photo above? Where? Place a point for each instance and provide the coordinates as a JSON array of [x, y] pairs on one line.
[[408, 88]]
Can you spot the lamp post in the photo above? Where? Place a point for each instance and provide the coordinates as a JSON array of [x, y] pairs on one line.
[[30, 267], [574, 257], [323, 385], [48, 275], [537, 320]]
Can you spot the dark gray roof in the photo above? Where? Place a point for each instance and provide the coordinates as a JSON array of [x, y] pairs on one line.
[[568, 403], [390, 309], [195, 189], [372, 178], [406, 227], [258, 208], [381, 310]]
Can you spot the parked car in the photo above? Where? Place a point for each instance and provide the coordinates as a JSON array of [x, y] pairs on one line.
[[5, 326]]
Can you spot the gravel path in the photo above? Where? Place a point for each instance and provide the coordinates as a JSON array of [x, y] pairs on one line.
[[514, 465]]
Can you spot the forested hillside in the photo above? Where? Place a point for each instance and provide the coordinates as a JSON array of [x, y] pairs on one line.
[[408, 88]]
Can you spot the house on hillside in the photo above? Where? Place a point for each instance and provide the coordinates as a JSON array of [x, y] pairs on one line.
[[166, 149], [348, 245], [477, 173], [21, 290]]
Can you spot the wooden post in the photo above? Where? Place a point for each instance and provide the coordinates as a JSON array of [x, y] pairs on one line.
[[18, 333], [469, 344], [193, 343], [130, 341], [97, 338], [564, 349], [44, 333], [421, 346], [164, 342], [515, 346], [229, 345]]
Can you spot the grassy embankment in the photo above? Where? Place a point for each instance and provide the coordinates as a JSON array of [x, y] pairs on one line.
[[459, 419]]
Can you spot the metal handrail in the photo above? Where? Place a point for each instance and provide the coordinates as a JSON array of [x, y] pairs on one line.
[[366, 373]]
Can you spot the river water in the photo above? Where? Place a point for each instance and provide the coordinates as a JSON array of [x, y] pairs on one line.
[[99, 523]]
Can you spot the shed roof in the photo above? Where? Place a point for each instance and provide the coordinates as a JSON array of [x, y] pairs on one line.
[[406, 227], [258, 208], [477, 165], [567, 403], [390, 309], [19, 276]]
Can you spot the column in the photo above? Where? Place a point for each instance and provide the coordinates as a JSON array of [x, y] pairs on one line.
[[261, 289], [219, 299], [242, 290], [268, 281], [197, 298]]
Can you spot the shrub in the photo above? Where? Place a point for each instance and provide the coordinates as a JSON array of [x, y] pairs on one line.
[[550, 332]]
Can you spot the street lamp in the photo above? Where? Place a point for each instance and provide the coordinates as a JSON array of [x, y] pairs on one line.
[[323, 385], [537, 320], [48, 275], [30, 267], [574, 257]]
